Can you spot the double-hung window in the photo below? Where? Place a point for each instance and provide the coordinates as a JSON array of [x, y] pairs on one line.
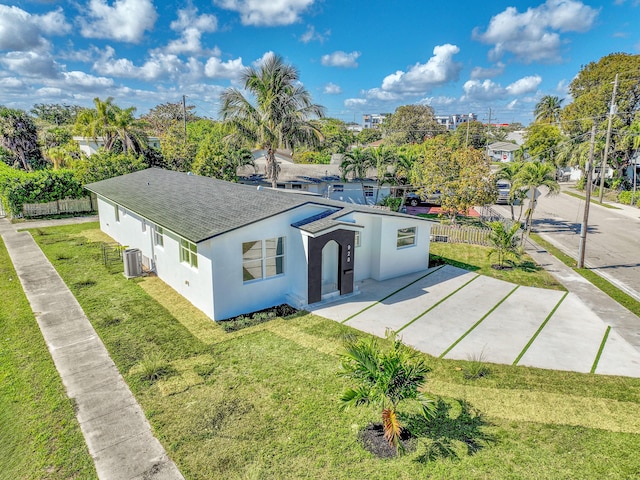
[[406, 237], [188, 253], [262, 259], [158, 237]]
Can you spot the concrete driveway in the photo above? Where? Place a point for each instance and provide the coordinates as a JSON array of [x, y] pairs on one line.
[[453, 313]]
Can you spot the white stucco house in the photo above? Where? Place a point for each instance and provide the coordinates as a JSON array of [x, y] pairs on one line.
[[502, 151], [232, 249]]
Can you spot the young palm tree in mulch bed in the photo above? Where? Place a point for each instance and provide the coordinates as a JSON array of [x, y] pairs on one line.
[[505, 243], [385, 378]]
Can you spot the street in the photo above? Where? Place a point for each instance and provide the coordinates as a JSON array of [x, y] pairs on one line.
[[613, 236]]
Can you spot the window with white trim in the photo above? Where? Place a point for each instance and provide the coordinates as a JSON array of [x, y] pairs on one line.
[[406, 237], [189, 252], [262, 259], [368, 190], [158, 237]]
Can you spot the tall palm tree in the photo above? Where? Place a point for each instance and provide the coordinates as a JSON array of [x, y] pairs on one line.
[[548, 109], [112, 123], [509, 171], [381, 158], [355, 164], [280, 115], [385, 378], [531, 176]]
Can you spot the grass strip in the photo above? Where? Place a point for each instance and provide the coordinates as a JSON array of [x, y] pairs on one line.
[[607, 287], [542, 325], [40, 437], [581, 197], [391, 294], [604, 341], [478, 322], [437, 303]]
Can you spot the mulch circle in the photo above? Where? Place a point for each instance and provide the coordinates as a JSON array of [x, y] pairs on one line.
[[372, 438]]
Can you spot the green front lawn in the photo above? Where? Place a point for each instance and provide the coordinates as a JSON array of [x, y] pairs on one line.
[[475, 258], [39, 435], [263, 402]]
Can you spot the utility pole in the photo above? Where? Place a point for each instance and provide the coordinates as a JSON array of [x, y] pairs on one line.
[[605, 156], [587, 200], [184, 116]]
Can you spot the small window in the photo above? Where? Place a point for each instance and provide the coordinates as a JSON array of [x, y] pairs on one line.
[[296, 186], [368, 190], [158, 237], [338, 187], [356, 239], [274, 257], [117, 213], [251, 260], [406, 237], [189, 252], [281, 185]]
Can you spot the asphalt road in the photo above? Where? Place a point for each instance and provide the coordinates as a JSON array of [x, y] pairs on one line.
[[613, 236]]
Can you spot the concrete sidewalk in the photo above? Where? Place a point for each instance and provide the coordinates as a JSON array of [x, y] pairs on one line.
[[117, 433]]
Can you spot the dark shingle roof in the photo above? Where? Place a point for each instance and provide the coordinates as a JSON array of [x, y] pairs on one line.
[[198, 208]]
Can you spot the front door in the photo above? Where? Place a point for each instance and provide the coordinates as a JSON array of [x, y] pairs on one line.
[[330, 264]]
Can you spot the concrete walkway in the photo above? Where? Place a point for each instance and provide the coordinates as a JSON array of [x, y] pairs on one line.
[[117, 433], [453, 313]]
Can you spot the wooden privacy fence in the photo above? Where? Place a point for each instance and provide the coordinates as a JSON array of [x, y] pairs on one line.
[[460, 234], [66, 205]]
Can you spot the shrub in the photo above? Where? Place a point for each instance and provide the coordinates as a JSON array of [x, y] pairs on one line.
[[153, 367]]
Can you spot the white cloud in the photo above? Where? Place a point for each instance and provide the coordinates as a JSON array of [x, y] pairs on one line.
[[341, 59], [231, 69], [31, 64], [355, 102], [534, 35], [488, 90], [512, 104], [524, 85], [441, 101], [480, 72], [423, 77], [191, 26], [83, 80], [22, 31], [266, 13], [11, 83], [332, 89], [312, 35], [125, 21]]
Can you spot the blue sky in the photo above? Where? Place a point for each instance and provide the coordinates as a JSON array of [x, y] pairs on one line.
[[354, 56]]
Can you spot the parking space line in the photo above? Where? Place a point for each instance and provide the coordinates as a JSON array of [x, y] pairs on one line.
[[478, 323], [391, 294], [602, 344], [437, 303], [542, 325]]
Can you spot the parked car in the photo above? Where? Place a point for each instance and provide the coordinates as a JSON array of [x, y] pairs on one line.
[[504, 191], [414, 200]]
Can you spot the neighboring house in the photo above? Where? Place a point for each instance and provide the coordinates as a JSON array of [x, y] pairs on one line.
[[372, 120], [502, 151], [89, 146], [232, 249], [320, 179]]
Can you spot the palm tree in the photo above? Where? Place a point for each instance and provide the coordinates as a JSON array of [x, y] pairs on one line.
[[380, 159], [355, 164], [504, 241], [385, 378], [112, 123], [531, 176], [509, 172], [548, 109], [281, 114]]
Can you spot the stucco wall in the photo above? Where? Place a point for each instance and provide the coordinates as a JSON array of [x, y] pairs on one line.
[[193, 283]]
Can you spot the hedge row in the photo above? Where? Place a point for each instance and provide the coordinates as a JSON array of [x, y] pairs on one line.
[[18, 187], [625, 198]]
